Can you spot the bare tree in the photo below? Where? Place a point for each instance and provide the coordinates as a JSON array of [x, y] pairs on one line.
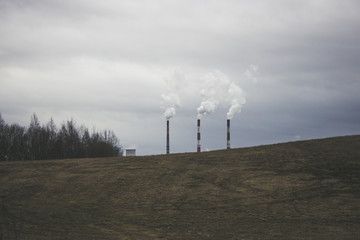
[[49, 142]]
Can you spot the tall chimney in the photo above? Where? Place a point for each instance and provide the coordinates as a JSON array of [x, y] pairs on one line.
[[198, 136], [167, 137], [228, 134]]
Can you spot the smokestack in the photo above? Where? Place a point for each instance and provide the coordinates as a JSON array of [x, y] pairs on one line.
[[198, 136], [167, 137], [228, 134]]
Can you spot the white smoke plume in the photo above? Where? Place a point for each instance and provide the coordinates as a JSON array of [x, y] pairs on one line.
[[170, 100], [215, 87], [237, 100], [218, 89]]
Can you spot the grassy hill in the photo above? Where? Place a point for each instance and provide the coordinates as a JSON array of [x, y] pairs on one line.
[[297, 190]]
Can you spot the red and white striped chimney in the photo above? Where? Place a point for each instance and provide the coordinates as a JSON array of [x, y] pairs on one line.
[[198, 136], [167, 137]]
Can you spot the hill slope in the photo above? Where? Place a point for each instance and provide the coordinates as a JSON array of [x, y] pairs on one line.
[[297, 190]]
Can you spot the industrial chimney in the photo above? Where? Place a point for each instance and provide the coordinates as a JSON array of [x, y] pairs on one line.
[[228, 134], [167, 137], [198, 136]]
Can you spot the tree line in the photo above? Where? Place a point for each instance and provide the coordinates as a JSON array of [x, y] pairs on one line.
[[38, 142]]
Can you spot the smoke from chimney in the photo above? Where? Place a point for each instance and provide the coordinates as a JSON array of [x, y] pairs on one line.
[[169, 102], [213, 92], [236, 98], [217, 90], [198, 136]]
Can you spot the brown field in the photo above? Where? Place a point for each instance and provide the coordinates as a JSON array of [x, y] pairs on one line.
[[297, 190]]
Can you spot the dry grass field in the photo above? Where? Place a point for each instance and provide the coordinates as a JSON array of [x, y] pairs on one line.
[[297, 190]]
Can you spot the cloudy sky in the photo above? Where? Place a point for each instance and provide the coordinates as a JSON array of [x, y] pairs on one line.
[[107, 64]]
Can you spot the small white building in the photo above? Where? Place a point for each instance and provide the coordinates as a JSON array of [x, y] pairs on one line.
[[130, 152]]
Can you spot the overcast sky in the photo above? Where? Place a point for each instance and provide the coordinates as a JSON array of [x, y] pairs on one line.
[[106, 64]]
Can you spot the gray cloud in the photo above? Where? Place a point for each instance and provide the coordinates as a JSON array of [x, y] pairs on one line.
[[106, 63]]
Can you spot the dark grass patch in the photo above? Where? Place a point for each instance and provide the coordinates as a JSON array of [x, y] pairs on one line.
[[298, 190]]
